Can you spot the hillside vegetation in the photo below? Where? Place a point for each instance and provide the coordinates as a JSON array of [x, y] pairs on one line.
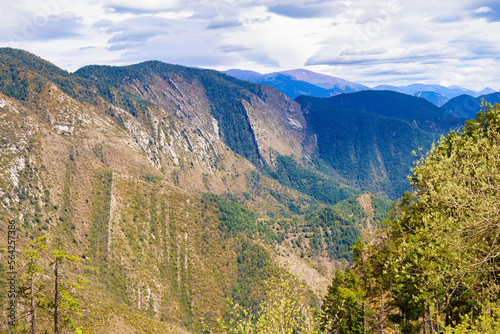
[[368, 137], [156, 198], [435, 268], [160, 191]]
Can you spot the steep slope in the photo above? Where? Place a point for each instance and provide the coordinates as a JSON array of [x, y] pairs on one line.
[[254, 120], [368, 137], [103, 189], [216, 104], [149, 174], [467, 106]]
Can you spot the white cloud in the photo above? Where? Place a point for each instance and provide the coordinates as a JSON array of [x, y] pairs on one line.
[[387, 41], [483, 10]]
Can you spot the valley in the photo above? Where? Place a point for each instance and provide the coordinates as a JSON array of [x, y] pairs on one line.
[[177, 189]]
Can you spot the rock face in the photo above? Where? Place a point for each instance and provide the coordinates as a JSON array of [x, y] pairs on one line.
[[253, 120]]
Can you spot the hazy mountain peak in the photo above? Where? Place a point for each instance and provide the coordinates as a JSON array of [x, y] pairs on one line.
[[321, 80], [300, 82], [448, 92], [244, 74]]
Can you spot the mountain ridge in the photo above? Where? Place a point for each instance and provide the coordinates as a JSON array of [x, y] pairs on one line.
[[300, 82], [180, 187], [448, 92], [468, 106]]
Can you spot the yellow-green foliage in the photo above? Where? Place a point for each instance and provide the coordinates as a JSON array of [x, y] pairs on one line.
[[285, 310]]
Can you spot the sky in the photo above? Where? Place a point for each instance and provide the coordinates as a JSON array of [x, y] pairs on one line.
[[398, 42]]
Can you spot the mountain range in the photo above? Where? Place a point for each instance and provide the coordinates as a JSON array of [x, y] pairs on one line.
[[448, 92], [300, 82], [178, 188], [303, 82]]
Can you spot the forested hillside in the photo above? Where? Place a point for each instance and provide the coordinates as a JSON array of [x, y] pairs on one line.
[[468, 106], [143, 197], [368, 137], [435, 268]]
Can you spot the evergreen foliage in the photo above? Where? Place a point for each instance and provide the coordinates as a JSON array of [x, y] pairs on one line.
[[308, 181], [342, 311], [371, 151], [21, 70]]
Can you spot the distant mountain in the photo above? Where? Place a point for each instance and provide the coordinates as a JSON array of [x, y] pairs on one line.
[[298, 82], [433, 97], [448, 92], [293, 88], [368, 137], [467, 106], [244, 75], [325, 81]]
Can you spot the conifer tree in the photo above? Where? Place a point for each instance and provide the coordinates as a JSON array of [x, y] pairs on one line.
[[64, 305], [33, 269]]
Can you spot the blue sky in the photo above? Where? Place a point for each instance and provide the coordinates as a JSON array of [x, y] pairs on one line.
[[450, 42]]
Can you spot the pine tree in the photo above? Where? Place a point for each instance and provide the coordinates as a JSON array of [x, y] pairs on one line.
[[65, 307], [33, 269]]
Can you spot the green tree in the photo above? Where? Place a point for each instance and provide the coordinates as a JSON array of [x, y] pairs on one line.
[[285, 310], [343, 309], [31, 290], [440, 256], [64, 305]]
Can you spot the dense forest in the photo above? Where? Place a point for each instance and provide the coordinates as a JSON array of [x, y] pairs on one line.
[[368, 137]]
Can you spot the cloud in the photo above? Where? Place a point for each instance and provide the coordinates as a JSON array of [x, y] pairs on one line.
[[262, 59], [483, 10], [133, 36], [132, 32], [449, 18], [49, 27], [224, 23], [141, 7], [104, 23], [356, 52], [232, 48], [60, 26], [327, 9], [432, 53], [489, 10]]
